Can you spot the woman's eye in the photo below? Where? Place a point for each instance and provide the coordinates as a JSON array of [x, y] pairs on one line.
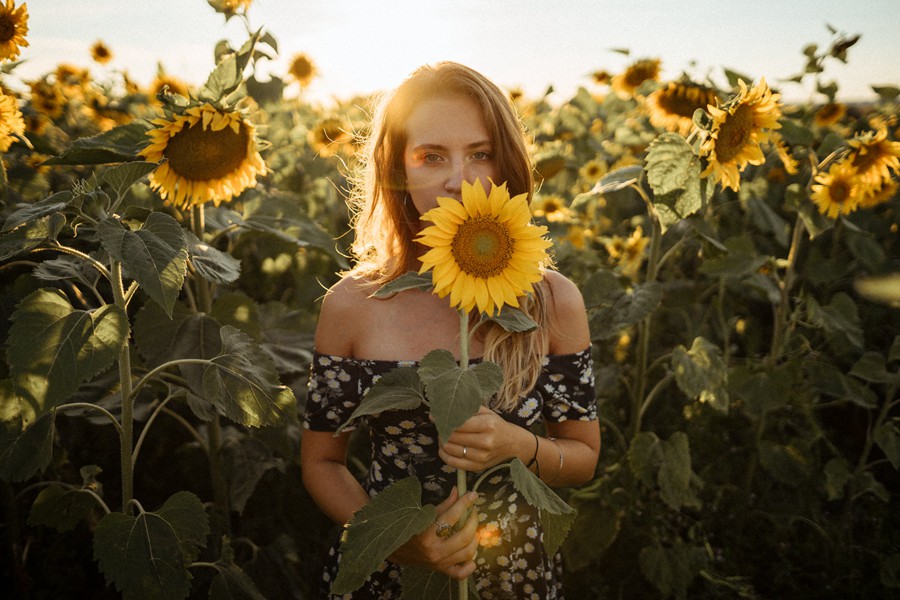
[[431, 158], [481, 155]]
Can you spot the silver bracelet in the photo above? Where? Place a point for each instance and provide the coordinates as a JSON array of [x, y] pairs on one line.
[[560, 450]]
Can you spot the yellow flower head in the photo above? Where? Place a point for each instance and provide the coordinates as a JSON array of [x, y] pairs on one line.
[[738, 129], [625, 84], [12, 124], [593, 170], [552, 208], [874, 157], [837, 190], [628, 252], [13, 27], [672, 106], [302, 69], [878, 195], [210, 155], [484, 251], [329, 136], [101, 53], [829, 114], [230, 7]]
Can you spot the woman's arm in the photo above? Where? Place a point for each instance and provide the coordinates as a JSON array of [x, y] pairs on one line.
[[486, 439]]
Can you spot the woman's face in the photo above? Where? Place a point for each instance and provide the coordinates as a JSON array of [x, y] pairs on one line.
[[447, 143]]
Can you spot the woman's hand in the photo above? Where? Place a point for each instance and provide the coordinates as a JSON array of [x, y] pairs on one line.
[[451, 553], [485, 440]]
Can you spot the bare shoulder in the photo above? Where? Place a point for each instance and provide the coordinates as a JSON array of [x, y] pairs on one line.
[[343, 313], [567, 316]]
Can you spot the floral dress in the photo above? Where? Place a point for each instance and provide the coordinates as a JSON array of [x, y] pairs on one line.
[[511, 561]]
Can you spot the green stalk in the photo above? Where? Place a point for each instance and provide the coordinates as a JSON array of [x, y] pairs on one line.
[[643, 352], [126, 434], [463, 586], [221, 503], [780, 327]]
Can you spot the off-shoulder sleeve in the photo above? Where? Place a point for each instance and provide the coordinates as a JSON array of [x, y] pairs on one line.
[[332, 392], [567, 386]]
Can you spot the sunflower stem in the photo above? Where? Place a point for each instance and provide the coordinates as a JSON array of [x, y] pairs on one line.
[[214, 428], [463, 586]]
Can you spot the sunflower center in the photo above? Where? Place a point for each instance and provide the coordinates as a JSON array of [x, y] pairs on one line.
[[640, 72], [482, 247], [201, 154], [7, 28], [840, 190], [683, 101], [734, 133]]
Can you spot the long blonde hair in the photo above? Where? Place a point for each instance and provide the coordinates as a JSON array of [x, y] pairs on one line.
[[386, 222]]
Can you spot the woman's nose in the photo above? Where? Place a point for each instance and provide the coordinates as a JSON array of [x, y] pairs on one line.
[[457, 174]]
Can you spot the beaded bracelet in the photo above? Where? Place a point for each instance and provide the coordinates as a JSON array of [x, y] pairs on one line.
[[534, 461]]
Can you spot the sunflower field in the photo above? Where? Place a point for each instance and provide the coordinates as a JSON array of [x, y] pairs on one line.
[[164, 249]]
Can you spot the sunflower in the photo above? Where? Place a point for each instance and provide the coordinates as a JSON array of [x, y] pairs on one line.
[[593, 170], [12, 124], [552, 208], [738, 129], [601, 77], [47, 99], [830, 113], [625, 84], [874, 157], [210, 155], [484, 251], [879, 195], [101, 53], [302, 69], [230, 7], [672, 106], [628, 252], [13, 27], [837, 190], [329, 136], [163, 81]]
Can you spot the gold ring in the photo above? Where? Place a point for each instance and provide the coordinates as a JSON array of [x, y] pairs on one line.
[[465, 450], [442, 530]]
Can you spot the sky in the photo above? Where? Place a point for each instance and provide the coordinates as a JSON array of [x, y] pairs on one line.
[[364, 46]]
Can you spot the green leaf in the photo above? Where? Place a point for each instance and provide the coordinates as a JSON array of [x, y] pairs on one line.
[[628, 308], [644, 455], [887, 93], [831, 381], [32, 212], [408, 281], [513, 320], [119, 144], [231, 582], [490, 378], [246, 460], [674, 476], [556, 516], [785, 462], [398, 389], [670, 164], [146, 557], [872, 367], [61, 508], [420, 583], [796, 134], [761, 391], [701, 374], [680, 204], [24, 453], [740, 261], [155, 255], [211, 263], [243, 384], [672, 569], [387, 522], [887, 436], [839, 318], [454, 394], [30, 236], [61, 344], [734, 76], [121, 177], [837, 474]]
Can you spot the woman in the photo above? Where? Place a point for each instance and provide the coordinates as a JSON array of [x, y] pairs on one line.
[[444, 125]]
